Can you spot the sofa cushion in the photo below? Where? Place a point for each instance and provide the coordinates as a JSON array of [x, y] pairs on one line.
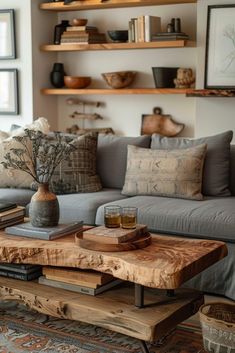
[[20, 196], [112, 157], [12, 177], [78, 172], [232, 169], [174, 173], [84, 206], [217, 161], [211, 218]]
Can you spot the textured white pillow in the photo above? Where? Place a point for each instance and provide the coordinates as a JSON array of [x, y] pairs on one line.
[[12, 178]]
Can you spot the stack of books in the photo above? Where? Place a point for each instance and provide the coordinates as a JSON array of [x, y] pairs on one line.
[[165, 36], [81, 281], [82, 35], [46, 233], [11, 214], [142, 28], [19, 271]]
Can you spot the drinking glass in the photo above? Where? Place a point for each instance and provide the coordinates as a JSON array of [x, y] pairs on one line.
[[129, 217], [112, 216]]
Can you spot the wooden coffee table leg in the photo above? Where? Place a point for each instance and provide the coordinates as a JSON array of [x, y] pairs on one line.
[[144, 347], [139, 296]]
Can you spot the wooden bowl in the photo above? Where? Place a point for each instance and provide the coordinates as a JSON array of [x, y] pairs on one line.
[[119, 79], [79, 22], [77, 82]]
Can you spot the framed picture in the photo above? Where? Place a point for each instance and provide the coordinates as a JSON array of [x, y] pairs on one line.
[[7, 35], [9, 92], [220, 47]]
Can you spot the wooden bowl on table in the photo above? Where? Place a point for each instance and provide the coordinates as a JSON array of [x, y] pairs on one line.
[[77, 81], [119, 79], [79, 22]]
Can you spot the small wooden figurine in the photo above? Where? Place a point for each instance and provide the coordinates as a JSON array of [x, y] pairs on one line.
[[160, 124], [185, 78]]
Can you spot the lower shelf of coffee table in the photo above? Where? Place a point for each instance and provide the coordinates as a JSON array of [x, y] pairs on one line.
[[113, 309]]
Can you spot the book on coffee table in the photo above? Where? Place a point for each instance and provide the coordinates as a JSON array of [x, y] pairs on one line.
[[19, 268], [77, 288], [106, 235], [46, 233], [4, 206], [12, 213]]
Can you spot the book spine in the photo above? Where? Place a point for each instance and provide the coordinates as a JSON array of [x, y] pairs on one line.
[[21, 276], [136, 29], [19, 270], [147, 28], [12, 216], [70, 287], [140, 24]]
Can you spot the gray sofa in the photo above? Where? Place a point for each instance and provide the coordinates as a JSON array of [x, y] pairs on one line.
[[212, 218]]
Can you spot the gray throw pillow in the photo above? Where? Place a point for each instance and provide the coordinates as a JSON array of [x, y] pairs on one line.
[[112, 157], [217, 162]]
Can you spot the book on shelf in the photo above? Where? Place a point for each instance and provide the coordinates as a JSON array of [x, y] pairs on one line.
[[4, 206], [152, 25], [169, 36], [18, 268], [12, 213], [21, 276], [46, 233], [82, 29], [12, 222], [140, 29], [85, 276], [106, 235], [79, 289]]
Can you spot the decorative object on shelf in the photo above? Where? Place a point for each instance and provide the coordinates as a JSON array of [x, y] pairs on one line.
[[185, 78], [38, 156], [9, 92], [118, 36], [75, 82], [160, 124], [7, 34], [75, 129], [164, 76], [59, 30], [85, 116], [220, 48], [76, 101], [57, 75], [79, 21], [119, 79]]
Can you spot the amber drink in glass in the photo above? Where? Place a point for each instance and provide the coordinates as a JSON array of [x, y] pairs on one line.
[[112, 216], [129, 217]]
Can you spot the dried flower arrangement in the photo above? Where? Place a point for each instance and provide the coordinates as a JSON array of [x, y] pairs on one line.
[[37, 154]]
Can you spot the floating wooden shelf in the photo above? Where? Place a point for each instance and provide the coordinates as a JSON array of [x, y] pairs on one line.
[[117, 46], [102, 91], [210, 93], [97, 4]]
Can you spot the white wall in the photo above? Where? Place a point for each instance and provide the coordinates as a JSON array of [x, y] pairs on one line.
[[23, 62], [123, 113], [213, 115]]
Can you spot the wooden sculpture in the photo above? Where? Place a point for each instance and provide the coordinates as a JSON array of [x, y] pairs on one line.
[[160, 124], [185, 78]]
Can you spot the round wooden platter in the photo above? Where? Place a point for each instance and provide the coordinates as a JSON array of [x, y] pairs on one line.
[[139, 242]]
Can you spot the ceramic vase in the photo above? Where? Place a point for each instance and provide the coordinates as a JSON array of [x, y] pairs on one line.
[[44, 208], [57, 75], [59, 30]]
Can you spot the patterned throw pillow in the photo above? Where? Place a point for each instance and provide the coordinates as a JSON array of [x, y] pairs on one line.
[[78, 173], [172, 173]]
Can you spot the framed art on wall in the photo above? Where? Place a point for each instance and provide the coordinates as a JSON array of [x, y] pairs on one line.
[[9, 92], [7, 35], [220, 47]]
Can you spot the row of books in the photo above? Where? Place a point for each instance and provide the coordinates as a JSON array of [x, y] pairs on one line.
[[82, 35], [148, 29], [80, 281], [11, 214], [19, 271]]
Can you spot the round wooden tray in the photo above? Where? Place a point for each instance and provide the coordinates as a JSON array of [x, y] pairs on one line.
[[139, 242]]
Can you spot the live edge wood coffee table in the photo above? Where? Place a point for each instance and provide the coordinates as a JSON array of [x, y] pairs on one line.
[[139, 310]]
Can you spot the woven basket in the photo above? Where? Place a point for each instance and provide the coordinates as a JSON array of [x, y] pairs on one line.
[[218, 327]]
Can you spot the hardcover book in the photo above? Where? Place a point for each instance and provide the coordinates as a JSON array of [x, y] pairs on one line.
[[11, 222], [152, 25], [79, 289], [22, 276], [12, 213], [46, 233], [4, 206], [25, 269]]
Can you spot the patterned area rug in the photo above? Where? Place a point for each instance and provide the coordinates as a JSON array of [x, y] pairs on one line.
[[23, 331]]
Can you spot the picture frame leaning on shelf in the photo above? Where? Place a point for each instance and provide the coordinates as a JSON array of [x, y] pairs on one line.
[[7, 35]]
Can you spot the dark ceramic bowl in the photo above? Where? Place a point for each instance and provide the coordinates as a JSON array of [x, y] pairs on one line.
[[118, 35]]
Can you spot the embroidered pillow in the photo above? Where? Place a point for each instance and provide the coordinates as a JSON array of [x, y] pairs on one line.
[[78, 172], [172, 173]]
